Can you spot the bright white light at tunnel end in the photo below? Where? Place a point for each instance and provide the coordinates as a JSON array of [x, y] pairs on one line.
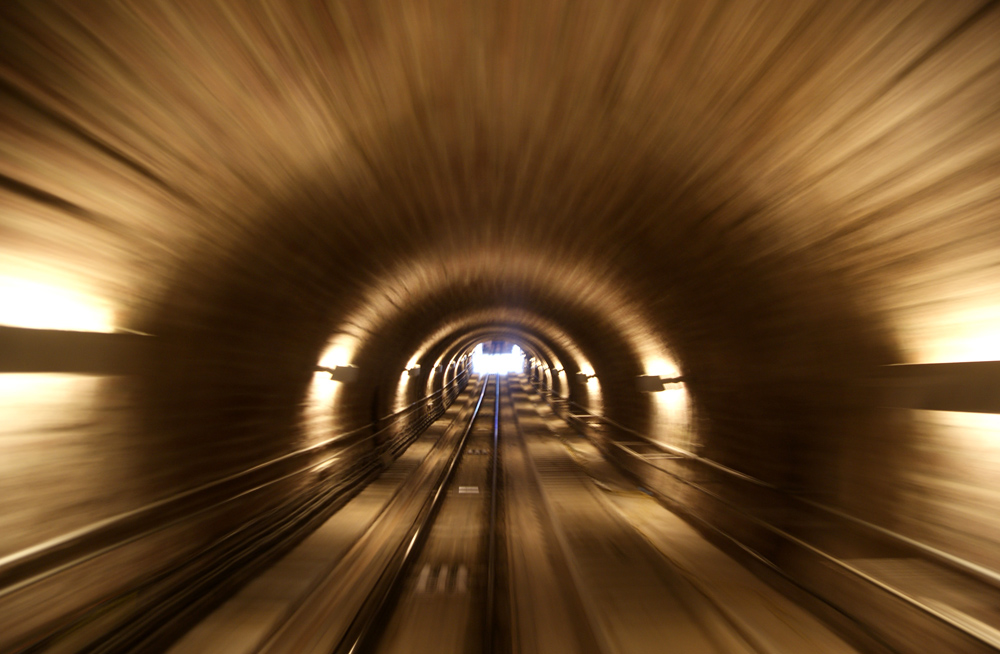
[[501, 364]]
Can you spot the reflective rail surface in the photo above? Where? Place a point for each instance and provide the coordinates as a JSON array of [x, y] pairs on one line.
[[564, 555], [180, 584], [554, 561], [964, 566], [660, 475], [365, 629]]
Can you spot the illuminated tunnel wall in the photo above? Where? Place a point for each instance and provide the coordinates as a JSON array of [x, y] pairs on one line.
[[787, 203]]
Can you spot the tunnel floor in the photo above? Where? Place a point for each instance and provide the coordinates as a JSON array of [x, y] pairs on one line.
[[585, 560]]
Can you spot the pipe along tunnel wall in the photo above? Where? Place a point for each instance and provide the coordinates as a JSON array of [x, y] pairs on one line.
[[794, 205]]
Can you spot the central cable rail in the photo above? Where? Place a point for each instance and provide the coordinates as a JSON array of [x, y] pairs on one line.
[[491, 573]]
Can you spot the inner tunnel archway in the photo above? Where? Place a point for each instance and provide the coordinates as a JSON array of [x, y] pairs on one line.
[[790, 206]]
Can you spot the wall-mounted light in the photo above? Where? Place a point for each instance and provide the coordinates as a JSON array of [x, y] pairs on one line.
[[343, 374], [414, 371], [582, 377], [654, 383]]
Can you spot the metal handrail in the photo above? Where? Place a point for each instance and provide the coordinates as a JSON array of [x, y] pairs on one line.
[[840, 563], [987, 575], [871, 580], [236, 548], [249, 544], [21, 569]]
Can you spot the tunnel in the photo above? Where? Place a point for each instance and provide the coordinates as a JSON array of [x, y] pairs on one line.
[[750, 251]]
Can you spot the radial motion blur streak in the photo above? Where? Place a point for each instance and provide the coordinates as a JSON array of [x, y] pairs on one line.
[[748, 251]]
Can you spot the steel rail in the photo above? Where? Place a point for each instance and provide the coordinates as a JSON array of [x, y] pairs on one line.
[[190, 580], [240, 551], [30, 565], [897, 594], [360, 634], [964, 566], [237, 552]]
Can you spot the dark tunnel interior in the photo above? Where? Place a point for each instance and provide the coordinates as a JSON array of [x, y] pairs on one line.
[[209, 210]]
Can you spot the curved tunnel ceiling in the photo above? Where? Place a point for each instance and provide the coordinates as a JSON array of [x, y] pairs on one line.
[[776, 197]]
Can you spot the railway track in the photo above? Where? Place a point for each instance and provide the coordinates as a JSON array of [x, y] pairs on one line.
[[519, 548], [447, 567], [502, 529]]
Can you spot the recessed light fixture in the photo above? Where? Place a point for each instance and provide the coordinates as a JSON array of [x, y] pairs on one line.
[[343, 374], [654, 383]]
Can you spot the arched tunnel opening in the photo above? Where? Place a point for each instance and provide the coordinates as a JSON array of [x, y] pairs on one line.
[[748, 254]]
